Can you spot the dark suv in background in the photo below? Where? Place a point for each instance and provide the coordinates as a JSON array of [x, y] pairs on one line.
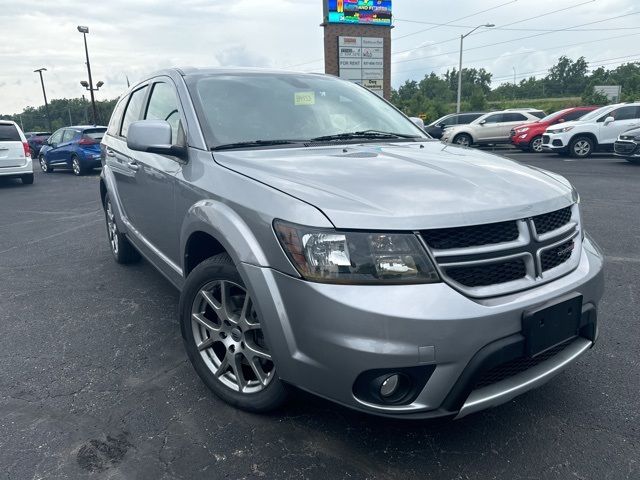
[[36, 140]]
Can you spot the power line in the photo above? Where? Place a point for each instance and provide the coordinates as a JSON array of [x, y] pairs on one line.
[[512, 40], [563, 47], [522, 29], [456, 19]]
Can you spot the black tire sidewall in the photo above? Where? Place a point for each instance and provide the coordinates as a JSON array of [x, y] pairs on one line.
[[461, 135], [126, 252], [221, 267]]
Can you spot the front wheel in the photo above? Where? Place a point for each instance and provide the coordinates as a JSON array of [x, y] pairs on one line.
[[581, 147], [122, 250], [535, 146], [44, 166], [224, 339], [463, 139]]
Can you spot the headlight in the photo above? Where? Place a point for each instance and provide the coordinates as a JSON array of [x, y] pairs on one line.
[[522, 130], [560, 130], [331, 256]]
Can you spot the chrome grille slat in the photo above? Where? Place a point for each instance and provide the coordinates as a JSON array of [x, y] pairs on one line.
[[539, 253]]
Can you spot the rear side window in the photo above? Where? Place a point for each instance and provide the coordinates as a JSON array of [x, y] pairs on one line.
[[163, 105], [9, 133], [514, 117], [575, 115], [69, 135], [116, 118], [134, 109]]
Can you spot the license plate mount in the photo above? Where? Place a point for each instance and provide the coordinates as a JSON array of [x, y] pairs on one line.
[[551, 325]]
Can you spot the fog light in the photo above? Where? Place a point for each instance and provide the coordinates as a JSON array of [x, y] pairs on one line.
[[389, 386]]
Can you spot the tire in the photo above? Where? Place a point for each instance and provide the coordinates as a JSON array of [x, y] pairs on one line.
[[463, 140], [535, 145], [581, 147], [123, 252], [76, 166], [27, 179], [221, 341], [44, 166]]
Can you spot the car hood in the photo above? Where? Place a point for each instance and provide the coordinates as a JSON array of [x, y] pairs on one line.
[[572, 123], [404, 186], [633, 132]]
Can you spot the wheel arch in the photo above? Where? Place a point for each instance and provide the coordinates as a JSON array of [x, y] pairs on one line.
[[463, 132], [589, 135]]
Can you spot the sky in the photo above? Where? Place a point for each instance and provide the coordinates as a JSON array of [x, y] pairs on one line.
[[134, 37]]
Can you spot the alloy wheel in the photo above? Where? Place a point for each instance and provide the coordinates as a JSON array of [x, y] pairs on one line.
[[582, 148], [536, 145], [75, 165], [229, 337], [112, 229], [463, 141], [43, 165]]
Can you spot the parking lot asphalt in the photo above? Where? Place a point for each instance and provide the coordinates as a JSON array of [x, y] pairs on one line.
[[94, 381]]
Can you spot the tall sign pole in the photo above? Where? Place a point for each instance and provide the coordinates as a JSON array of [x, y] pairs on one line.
[[357, 42]]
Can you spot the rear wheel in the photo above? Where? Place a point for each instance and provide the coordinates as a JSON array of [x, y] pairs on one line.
[[535, 145], [224, 339], [463, 139], [27, 179], [581, 147], [77, 167], [44, 166], [120, 247]]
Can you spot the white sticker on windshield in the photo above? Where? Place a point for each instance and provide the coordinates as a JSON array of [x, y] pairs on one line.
[[305, 98]]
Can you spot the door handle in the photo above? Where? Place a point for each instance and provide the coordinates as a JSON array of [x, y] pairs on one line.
[[133, 165], [110, 153]]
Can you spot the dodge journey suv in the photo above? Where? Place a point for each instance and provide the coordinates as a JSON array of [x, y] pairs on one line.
[[320, 239]]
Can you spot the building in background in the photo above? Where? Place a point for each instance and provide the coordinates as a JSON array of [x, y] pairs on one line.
[[357, 42]]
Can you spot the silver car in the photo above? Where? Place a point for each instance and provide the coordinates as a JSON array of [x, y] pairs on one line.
[[321, 240]]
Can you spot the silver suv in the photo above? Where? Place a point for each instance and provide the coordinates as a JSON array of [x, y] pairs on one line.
[[491, 128], [320, 239]]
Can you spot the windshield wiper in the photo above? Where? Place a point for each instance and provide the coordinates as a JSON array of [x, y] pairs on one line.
[[362, 134], [256, 143]]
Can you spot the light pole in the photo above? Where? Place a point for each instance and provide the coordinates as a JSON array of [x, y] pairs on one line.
[[462, 37], [84, 30], [44, 94]]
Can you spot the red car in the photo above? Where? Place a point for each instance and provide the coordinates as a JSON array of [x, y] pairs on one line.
[[528, 137]]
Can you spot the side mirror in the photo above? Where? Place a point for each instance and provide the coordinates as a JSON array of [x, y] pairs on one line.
[[560, 120], [482, 122], [418, 121], [608, 120], [153, 136]]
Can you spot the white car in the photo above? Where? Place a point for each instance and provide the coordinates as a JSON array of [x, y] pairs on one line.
[[597, 131], [493, 127], [15, 157]]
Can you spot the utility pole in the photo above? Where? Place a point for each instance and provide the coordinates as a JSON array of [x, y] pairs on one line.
[[84, 30], [462, 37], [44, 94]]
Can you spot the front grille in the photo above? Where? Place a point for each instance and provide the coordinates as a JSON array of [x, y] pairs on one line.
[[491, 274], [519, 365], [624, 148], [545, 139], [552, 221], [512, 133], [556, 256], [478, 235]]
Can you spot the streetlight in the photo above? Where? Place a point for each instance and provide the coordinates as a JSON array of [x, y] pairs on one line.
[[89, 86], [44, 93], [462, 37]]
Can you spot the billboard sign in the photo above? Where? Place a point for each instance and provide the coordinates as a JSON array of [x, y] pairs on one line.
[[364, 12], [361, 61]]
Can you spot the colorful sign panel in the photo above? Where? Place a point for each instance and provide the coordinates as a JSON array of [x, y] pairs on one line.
[[366, 12]]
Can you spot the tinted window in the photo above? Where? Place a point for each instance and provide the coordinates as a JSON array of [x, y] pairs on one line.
[[494, 118], [116, 118], [134, 109], [9, 133], [448, 121], [468, 118], [539, 114], [513, 117], [163, 105], [56, 137], [69, 135], [575, 115], [95, 133], [625, 113]]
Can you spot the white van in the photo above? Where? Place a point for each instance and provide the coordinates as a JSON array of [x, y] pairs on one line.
[[15, 157]]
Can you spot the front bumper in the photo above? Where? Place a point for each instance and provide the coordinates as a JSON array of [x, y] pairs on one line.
[[627, 149], [555, 142], [24, 169], [323, 336]]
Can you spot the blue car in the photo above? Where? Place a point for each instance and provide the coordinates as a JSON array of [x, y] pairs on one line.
[[76, 148]]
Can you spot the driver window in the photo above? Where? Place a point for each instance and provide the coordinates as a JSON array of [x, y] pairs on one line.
[[494, 118], [623, 113], [163, 105], [56, 137]]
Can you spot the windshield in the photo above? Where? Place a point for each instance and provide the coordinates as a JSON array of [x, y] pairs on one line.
[[262, 107], [553, 115], [595, 113]]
